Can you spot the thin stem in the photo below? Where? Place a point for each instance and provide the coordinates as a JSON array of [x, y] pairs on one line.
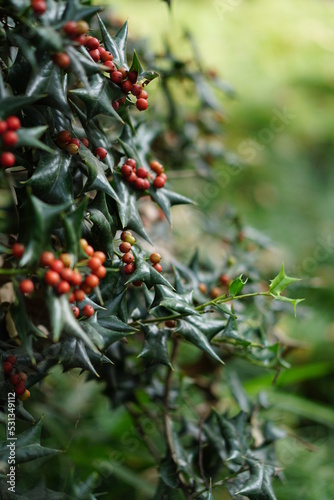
[[10, 272]]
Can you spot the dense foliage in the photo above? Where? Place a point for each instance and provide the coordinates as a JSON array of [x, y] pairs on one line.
[[83, 174]]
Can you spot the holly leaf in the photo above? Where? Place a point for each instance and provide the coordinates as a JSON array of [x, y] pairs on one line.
[[194, 334], [175, 302], [258, 486], [278, 284], [75, 11], [233, 442], [167, 199], [145, 272], [29, 137], [13, 105], [73, 354], [117, 44], [148, 76], [73, 223], [236, 286], [154, 349]]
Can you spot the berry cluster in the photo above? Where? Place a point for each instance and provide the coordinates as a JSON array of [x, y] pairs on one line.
[[38, 6], [139, 177], [155, 258], [125, 247], [9, 139], [216, 291], [76, 31], [66, 280], [16, 379], [72, 144]]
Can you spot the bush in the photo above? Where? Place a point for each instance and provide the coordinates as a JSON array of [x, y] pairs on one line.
[[83, 174]]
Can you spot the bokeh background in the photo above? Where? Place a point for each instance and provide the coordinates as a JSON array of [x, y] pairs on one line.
[[279, 58]]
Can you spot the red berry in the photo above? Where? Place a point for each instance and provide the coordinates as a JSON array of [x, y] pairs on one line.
[[51, 278], [20, 388], [215, 292], [116, 77], [3, 126], [136, 89], [88, 311], [94, 263], [110, 65], [102, 51], [82, 27], [76, 311], [86, 40], [61, 59], [92, 43], [72, 149], [39, 7], [10, 138], [75, 141], [7, 160], [146, 183], [143, 95], [79, 295], [137, 283], [85, 142], [100, 272], [224, 279], [81, 39], [125, 247], [76, 278], [127, 86], [89, 250], [131, 178], [142, 173], [71, 298], [159, 182], [101, 256], [7, 367], [70, 28], [163, 176], [141, 104], [18, 250], [124, 72], [126, 170], [157, 167], [115, 105], [23, 376], [157, 267], [170, 323], [132, 76], [106, 56], [66, 274], [127, 237], [202, 287], [128, 258], [13, 123], [83, 244], [57, 265], [15, 379], [155, 258], [95, 55], [122, 100], [131, 162], [63, 287], [64, 136], [101, 152], [129, 269], [66, 259], [87, 289], [26, 286], [11, 359], [140, 184], [92, 280], [46, 259]]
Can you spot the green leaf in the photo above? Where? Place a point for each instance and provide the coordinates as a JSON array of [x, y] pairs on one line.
[[236, 286], [13, 105], [193, 334], [145, 272], [154, 350], [233, 442], [104, 225], [75, 11], [278, 284], [29, 137], [74, 355], [57, 319], [96, 178], [117, 44], [73, 223], [182, 304], [142, 75], [167, 199], [258, 486]]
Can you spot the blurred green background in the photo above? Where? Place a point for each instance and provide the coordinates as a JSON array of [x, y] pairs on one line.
[[278, 56]]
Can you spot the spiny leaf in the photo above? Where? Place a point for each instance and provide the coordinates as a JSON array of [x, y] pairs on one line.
[[193, 334], [236, 286], [278, 284], [167, 199], [258, 486], [154, 350], [117, 44]]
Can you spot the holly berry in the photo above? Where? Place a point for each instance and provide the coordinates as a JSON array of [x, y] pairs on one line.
[[72, 149], [125, 247], [136, 89], [89, 250], [155, 258], [46, 259], [105, 55], [85, 142], [131, 162], [139, 184], [39, 7], [157, 167], [51, 278], [10, 138], [3, 126], [7, 367], [11, 359], [101, 152], [66, 274], [132, 76], [142, 173], [100, 272], [64, 136], [129, 269], [116, 76], [23, 376], [25, 395], [124, 72], [202, 287], [88, 311], [7, 160], [224, 279], [143, 95], [92, 280], [159, 182], [57, 265], [127, 86], [18, 250], [127, 237], [13, 123], [76, 311], [171, 323], [76, 278], [15, 379], [87, 289], [79, 295], [70, 28], [215, 293], [132, 178], [83, 244], [63, 287], [128, 258], [82, 27], [26, 286], [20, 388], [111, 67], [126, 170], [94, 263], [61, 59], [115, 105], [95, 55], [75, 141], [141, 104], [92, 43], [101, 256], [66, 259], [157, 267], [137, 283]]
